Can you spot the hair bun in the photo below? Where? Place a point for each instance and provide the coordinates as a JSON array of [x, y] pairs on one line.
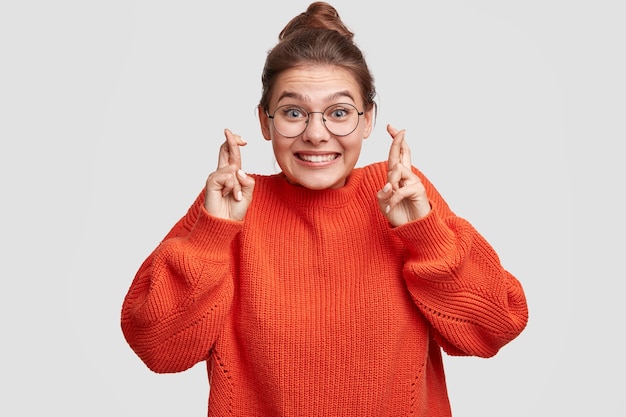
[[319, 15]]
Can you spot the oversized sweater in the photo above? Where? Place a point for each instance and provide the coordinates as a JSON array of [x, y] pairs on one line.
[[314, 305]]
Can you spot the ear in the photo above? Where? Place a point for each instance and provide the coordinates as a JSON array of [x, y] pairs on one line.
[[264, 120], [368, 118]]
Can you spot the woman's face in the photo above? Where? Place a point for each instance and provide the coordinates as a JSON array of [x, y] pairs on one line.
[[316, 158]]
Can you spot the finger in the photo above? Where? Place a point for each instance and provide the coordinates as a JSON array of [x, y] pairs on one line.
[[224, 182], [402, 176], [405, 152], [236, 184], [223, 156], [237, 178], [383, 195], [394, 176], [247, 184], [229, 150], [228, 186], [234, 142], [395, 151], [413, 197]]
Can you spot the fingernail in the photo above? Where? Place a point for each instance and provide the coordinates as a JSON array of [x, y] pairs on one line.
[[239, 195], [387, 188], [241, 173], [387, 209]]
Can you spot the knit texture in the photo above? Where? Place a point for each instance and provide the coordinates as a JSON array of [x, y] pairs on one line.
[[315, 306]]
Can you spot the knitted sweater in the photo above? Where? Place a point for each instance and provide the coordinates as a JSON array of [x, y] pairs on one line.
[[315, 305]]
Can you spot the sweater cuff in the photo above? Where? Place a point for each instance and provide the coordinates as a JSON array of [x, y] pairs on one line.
[[211, 236], [428, 238]]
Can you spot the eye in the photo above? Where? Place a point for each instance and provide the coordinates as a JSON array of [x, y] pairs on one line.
[[339, 111], [293, 112]]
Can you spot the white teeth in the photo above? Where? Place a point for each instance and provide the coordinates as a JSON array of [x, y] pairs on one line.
[[317, 158]]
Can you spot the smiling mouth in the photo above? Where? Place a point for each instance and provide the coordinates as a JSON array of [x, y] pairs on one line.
[[317, 158]]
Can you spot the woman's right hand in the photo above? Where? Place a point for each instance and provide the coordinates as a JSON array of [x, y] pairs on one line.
[[228, 189]]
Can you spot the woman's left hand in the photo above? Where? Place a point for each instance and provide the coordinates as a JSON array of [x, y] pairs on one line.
[[403, 198]]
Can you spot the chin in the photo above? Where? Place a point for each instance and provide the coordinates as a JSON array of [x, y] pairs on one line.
[[318, 186]]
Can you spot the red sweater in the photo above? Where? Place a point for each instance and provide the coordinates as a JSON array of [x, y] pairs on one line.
[[315, 306]]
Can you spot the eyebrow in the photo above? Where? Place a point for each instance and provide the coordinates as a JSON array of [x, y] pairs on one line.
[[300, 97]]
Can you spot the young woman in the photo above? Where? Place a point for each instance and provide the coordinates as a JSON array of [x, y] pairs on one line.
[[324, 290]]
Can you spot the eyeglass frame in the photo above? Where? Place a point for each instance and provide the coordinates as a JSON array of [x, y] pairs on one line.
[[308, 119]]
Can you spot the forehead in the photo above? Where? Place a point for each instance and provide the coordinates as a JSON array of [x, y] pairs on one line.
[[316, 84]]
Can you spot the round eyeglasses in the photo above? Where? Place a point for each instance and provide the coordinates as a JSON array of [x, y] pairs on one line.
[[340, 119]]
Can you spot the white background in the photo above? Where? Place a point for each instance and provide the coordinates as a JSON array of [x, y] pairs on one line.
[[111, 113]]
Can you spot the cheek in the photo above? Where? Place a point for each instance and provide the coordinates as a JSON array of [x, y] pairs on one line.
[[281, 147], [353, 145]]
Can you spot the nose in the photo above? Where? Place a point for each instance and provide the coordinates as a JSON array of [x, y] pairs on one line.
[[316, 131]]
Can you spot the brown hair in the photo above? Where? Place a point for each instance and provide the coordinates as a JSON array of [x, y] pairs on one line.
[[317, 36]]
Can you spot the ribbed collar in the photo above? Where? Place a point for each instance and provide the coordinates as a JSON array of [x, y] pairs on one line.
[[295, 194]]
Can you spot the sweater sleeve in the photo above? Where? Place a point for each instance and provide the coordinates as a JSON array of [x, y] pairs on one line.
[[456, 279], [177, 303]]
